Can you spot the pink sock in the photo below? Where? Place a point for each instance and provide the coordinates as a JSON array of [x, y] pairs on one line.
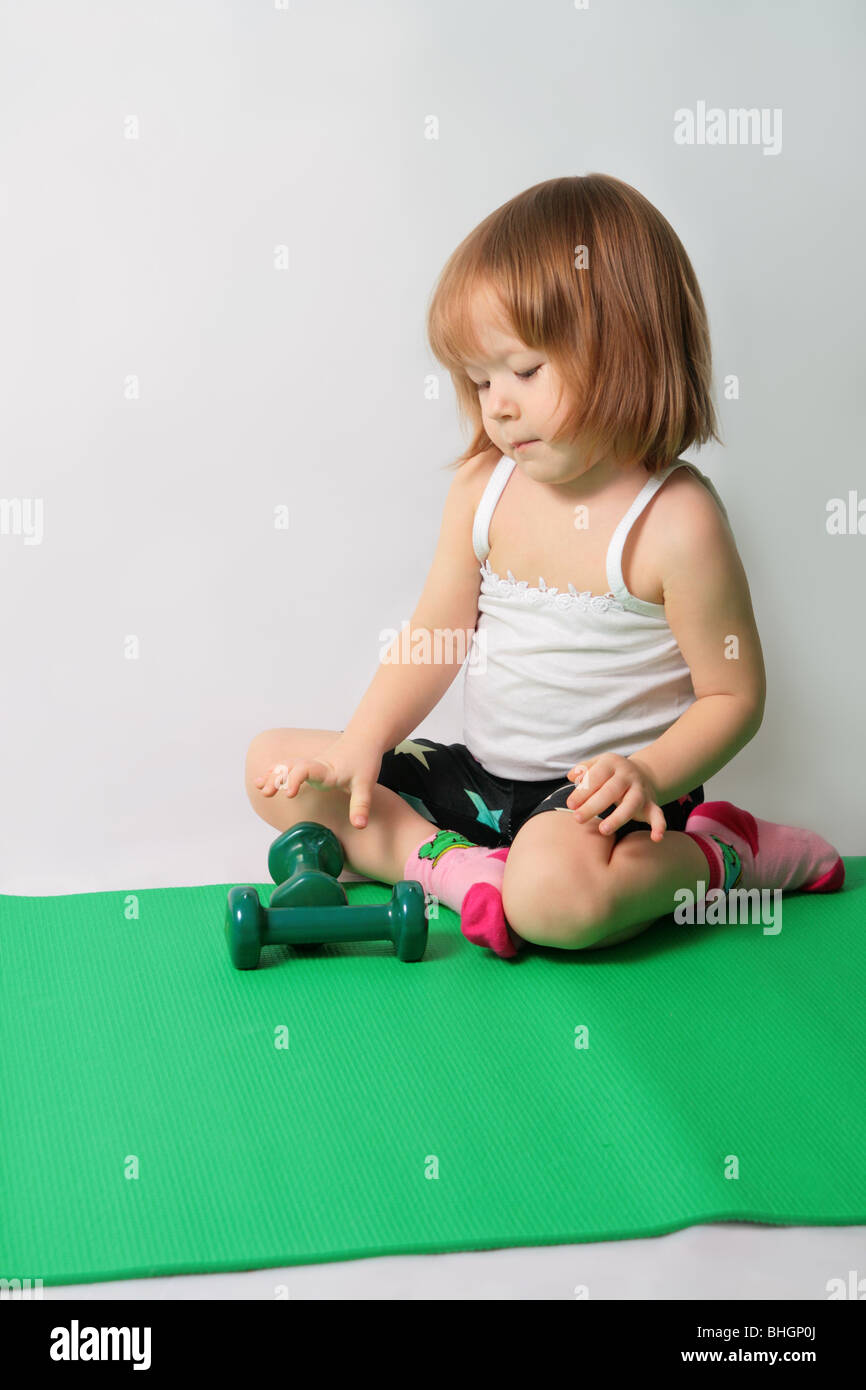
[[770, 855], [713, 855], [468, 879]]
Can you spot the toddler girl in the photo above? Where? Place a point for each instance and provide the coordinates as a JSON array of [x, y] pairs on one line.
[[613, 659]]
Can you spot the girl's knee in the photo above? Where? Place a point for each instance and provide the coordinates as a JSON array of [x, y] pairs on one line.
[[549, 902], [273, 747]]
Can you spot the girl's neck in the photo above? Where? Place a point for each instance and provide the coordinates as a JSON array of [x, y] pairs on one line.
[[608, 479]]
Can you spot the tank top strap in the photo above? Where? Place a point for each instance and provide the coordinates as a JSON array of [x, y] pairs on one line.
[[616, 583], [484, 511]]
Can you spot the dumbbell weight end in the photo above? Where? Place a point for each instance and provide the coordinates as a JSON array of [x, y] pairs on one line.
[[305, 845]]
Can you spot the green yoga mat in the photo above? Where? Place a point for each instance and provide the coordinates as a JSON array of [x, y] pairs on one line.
[[153, 1124]]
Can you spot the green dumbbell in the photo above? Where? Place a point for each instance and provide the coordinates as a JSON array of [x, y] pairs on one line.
[[306, 861], [250, 926]]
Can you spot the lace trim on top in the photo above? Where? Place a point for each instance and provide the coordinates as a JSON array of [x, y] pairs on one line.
[[586, 600]]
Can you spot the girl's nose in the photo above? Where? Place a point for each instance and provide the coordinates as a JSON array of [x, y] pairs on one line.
[[499, 407]]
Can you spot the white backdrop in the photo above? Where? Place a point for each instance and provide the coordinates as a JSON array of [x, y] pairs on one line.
[[169, 376]]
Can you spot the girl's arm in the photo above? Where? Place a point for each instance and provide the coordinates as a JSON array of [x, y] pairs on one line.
[[403, 691], [709, 609]]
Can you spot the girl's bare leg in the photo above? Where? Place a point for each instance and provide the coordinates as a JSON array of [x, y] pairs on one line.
[[378, 851], [567, 885]]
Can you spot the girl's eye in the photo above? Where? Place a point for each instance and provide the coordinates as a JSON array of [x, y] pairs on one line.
[[524, 376]]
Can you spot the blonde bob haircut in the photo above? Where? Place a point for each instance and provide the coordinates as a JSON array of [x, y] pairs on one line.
[[588, 272]]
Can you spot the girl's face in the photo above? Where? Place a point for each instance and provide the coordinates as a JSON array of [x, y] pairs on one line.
[[519, 394]]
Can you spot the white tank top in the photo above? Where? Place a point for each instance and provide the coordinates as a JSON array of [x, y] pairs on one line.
[[555, 677]]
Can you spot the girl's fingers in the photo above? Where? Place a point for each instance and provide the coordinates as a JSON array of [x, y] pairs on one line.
[[597, 801], [625, 811], [266, 783], [295, 778], [282, 778], [359, 807], [325, 775], [580, 777], [279, 776]]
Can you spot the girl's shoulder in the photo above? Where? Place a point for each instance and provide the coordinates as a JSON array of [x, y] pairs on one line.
[[477, 471], [683, 522], [688, 493]]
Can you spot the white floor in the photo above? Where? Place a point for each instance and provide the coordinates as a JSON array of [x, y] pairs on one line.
[[724, 1261]]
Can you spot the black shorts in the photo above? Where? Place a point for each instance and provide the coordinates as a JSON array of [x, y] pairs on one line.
[[448, 786]]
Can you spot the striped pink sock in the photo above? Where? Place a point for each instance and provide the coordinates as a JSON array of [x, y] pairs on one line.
[[713, 855], [468, 879], [761, 854]]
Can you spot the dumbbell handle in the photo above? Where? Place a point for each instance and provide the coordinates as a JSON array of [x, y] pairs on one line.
[[283, 925], [305, 857]]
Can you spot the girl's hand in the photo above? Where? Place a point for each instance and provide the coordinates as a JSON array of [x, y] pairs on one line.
[[354, 770], [600, 782]]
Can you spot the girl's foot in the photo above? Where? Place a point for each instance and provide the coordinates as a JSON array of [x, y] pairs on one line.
[[751, 853], [482, 919], [468, 879]]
